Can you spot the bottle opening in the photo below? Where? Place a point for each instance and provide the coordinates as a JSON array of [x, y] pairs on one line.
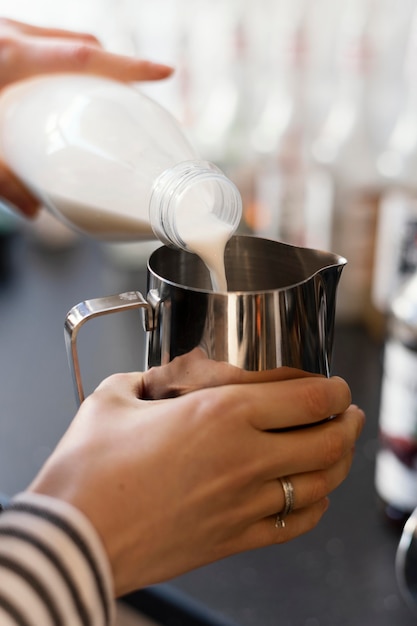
[[192, 202]]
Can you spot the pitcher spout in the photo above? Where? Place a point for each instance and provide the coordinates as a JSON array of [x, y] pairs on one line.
[[326, 284]]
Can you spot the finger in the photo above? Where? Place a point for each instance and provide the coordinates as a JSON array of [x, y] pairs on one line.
[[264, 532], [121, 386], [7, 24], [312, 449], [16, 194], [194, 370], [57, 55], [296, 524], [295, 402], [308, 488]]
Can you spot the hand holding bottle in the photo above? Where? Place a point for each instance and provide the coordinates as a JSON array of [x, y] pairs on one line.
[[28, 50], [176, 483]]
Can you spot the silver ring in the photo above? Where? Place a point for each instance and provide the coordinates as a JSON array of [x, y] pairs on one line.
[[288, 490]]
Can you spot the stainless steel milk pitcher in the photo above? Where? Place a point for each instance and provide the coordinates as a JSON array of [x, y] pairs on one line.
[[279, 308]]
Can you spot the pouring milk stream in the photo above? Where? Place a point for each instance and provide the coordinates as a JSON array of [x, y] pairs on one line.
[[114, 164]]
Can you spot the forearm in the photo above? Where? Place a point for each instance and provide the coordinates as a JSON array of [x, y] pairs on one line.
[[53, 568]]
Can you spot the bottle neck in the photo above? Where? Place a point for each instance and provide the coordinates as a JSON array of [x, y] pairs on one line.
[[186, 194]]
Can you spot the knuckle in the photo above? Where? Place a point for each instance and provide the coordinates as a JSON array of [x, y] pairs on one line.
[[80, 55], [113, 379], [324, 397], [222, 404], [333, 446], [6, 23], [108, 388], [344, 393], [320, 486], [317, 399], [9, 51], [221, 411]]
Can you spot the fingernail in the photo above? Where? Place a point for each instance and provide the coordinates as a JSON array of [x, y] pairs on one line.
[[161, 68], [359, 410]]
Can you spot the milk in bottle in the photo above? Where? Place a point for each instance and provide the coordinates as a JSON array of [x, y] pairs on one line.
[[115, 165]]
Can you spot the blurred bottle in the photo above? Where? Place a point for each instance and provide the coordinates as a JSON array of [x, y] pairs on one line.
[[406, 563], [291, 197], [396, 461], [217, 98], [396, 244], [214, 94], [346, 148]]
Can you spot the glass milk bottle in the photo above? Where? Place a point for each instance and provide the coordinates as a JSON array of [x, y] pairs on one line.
[[114, 164], [396, 461]]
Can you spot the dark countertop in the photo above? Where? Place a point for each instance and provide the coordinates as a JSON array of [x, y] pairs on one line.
[[340, 574]]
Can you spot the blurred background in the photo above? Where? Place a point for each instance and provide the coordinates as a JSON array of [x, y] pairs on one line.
[[310, 106]]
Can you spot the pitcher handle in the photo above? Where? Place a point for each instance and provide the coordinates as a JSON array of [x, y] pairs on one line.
[[84, 311]]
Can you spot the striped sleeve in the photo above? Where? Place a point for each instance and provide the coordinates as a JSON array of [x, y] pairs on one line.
[[53, 567]]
